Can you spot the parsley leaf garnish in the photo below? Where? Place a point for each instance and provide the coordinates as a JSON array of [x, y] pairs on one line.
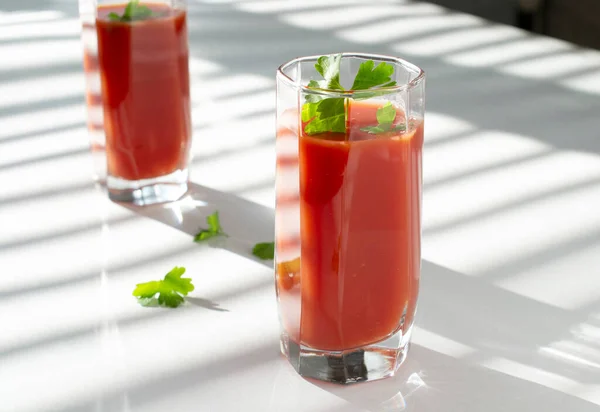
[[329, 68], [370, 76], [133, 11], [329, 114], [385, 119], [386, 114], [170, 289], [264, 251], [214, 228]]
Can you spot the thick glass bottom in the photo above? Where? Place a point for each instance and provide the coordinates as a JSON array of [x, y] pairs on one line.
[[368, 363], [161, 189]]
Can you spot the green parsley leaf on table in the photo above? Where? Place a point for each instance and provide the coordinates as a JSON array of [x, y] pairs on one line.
[[133, 11], [214, 228], [385, 119], [170, 290], [264, 251], [329, 114]]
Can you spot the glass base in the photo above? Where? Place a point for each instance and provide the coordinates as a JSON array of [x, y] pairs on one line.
[[367, 363], [161, 189]]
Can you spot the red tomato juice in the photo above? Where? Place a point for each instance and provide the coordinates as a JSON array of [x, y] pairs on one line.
[[357, 277], [145, 91]]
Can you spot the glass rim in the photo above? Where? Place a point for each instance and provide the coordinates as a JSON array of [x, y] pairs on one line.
[[354, 93]]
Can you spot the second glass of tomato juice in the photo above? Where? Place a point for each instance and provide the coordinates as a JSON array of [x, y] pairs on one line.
[[143, 61], [348, 213]]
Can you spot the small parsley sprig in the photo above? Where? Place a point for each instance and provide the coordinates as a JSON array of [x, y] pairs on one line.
[[329, 68], [385, 119], [170, 290], [214, 228], [369, 76], [133, 11], [329, 114], [264, 251]]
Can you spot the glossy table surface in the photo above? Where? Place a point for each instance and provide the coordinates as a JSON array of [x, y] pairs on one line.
[[509, 315]]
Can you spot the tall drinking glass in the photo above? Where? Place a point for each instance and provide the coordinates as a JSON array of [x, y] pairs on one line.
[[348, 213], [143, 64]]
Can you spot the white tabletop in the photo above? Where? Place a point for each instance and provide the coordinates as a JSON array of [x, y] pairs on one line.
[[509, 313]]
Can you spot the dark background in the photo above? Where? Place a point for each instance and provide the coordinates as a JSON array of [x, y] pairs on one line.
[[577, 21]]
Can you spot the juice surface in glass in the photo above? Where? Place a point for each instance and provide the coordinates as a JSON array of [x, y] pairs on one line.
[[358, 276], [145, 90]]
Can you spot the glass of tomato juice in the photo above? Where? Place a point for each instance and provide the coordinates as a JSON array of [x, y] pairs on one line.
[[348, 213], [143, 65]]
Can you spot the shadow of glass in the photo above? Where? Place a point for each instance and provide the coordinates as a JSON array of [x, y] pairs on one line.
[[430, 381], [504, 324], [246, 223]]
